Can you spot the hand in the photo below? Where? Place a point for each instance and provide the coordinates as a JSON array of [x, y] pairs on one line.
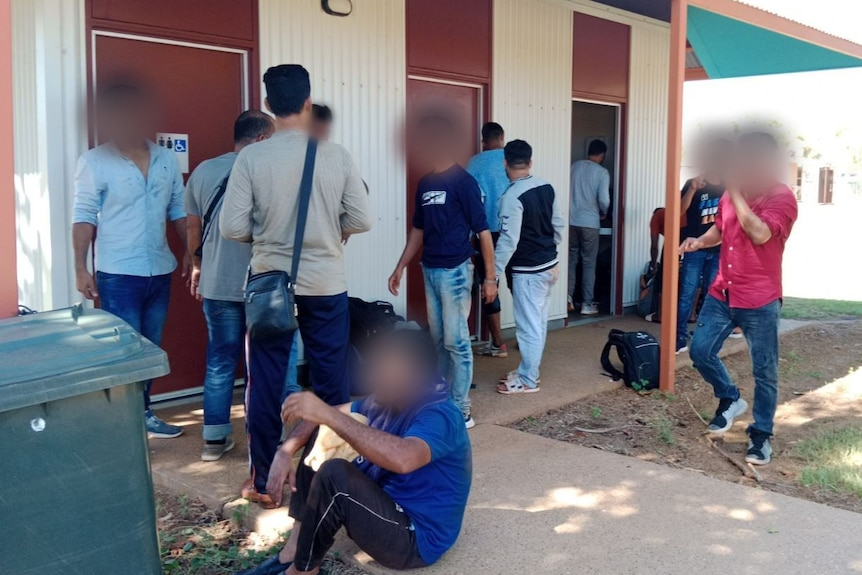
[[193, 282], [690, 245], [187, 264], [282, 471], [489, 290], [344, 239], [86, 284], [305, 406], [395, 281]]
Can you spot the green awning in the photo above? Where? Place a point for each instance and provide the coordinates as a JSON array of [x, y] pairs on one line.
[[729, 48]]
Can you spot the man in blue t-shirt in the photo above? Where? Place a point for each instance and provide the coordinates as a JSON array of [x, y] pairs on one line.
[[448, 212], [403, 497], [488, 169]]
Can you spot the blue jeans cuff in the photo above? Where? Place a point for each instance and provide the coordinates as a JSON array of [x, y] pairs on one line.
[[217, 432]]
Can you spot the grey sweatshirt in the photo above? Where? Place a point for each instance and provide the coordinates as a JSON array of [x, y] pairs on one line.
[[590, 194], [260, 207]]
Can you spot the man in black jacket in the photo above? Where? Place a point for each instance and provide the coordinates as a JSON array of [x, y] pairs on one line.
[[531, 228]]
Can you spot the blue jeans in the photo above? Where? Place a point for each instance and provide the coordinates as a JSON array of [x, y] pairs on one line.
[[142, 302], [448, 301], [760, 327], [225, 345], [531, 295], [698, 270]]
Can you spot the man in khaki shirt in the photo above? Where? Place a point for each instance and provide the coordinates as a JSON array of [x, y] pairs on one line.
[[260, 207]]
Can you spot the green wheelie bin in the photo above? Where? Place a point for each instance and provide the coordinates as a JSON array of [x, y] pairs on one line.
[[76, 495]]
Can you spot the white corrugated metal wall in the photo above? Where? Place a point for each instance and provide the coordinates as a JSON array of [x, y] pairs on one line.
[[49, 95], [357, 66], [647, 146], [532, 99]]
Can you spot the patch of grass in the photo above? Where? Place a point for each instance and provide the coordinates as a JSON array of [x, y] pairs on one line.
[[820, 309], [596, 411], [663, 427], [834, 459]]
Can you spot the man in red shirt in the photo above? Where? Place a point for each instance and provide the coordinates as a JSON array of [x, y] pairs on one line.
[[752, 225]]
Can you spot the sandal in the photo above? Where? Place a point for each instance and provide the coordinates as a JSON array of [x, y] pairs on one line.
[[512, 374], [515, 386]]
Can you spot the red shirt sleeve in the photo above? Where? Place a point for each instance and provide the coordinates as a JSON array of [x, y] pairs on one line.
[[719, 215], [656, 223], [778, 211]]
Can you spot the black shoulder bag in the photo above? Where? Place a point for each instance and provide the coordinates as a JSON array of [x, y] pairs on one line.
[[270, 306], [208, 217]]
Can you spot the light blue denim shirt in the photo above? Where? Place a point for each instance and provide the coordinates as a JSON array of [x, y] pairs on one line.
[[488, 169], [129, 212]]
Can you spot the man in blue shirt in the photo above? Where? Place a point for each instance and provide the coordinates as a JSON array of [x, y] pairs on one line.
[[448, 211], [128, 189], [402, 499], [487, 167]]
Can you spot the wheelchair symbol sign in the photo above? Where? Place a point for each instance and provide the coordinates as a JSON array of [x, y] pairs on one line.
[[180, 146]]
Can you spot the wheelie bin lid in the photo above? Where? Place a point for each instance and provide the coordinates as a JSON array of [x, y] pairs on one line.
[[53, 355]]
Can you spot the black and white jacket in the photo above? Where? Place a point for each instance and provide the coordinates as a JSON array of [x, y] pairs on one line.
[[531, 227]]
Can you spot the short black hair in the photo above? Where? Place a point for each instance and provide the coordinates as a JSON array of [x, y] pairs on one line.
[[120, 95], [415, 344], [321, 113], [492, 131], [759, 139], [597, 148], [288, 87], [436, 121], [518, 154], [250, 125]]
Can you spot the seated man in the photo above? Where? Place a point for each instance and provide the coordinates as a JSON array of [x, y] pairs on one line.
[[402, 500]]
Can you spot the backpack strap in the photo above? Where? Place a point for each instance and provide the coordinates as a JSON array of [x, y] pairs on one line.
[[305, 188], [606, 359], [208, 217]]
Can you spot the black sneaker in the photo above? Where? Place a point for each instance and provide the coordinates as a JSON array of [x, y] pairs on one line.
[[727, 410], [759, 449]]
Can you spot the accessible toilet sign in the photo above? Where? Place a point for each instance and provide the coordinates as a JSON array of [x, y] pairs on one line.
[[179, 143]]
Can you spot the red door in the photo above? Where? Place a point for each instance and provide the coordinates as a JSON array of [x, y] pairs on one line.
[[200, 91], [461, 103]]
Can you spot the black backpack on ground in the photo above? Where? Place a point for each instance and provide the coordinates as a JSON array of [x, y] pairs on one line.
[[639, 352], [368, 319]]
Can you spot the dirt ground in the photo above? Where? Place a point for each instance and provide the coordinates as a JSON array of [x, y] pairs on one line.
[[813, 395], [194, 541]]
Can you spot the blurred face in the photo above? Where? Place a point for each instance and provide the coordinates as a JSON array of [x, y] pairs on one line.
[[392, 377], [126, 121], [435, 145], [755, 167], [320, 130]]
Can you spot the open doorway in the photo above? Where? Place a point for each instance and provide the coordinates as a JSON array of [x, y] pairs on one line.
[[600, 121]]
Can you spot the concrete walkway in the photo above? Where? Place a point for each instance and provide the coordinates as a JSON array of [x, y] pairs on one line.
[[545, 507], [542, 506]]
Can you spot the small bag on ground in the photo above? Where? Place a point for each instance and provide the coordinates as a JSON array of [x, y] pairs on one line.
[[368, 319], [639, 353]]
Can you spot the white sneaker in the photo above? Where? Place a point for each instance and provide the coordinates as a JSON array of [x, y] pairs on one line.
[[469, 422], [590, 309]]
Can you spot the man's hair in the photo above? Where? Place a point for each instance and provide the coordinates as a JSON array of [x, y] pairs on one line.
[[414, 344], [518, 154], [436, 122], [120, 95], [250, 125], [321, 113], [287, 89], [597, 148], [759, 139], [492, 131]]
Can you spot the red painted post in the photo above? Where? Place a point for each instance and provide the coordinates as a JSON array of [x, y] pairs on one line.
[[8, 269], [670, 293]]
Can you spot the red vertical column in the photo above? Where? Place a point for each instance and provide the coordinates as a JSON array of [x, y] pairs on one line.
[[8, 270], [670, 293]]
